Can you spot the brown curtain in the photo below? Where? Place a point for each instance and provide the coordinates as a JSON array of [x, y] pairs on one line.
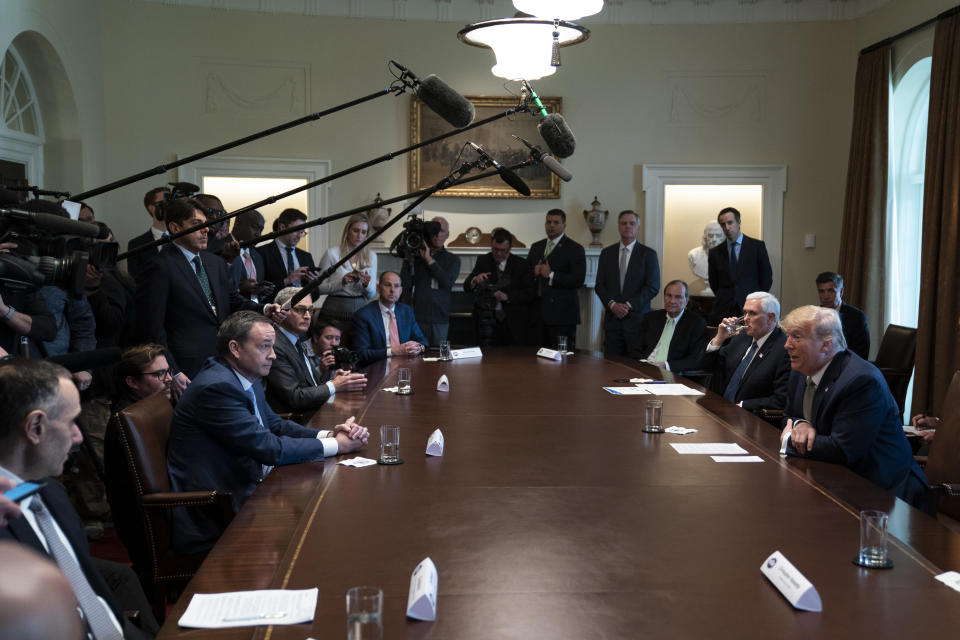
[[938, 337], [862, 234]]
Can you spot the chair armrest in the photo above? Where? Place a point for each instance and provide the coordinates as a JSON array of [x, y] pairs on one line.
[[946, 489], [184, 499], [920, 460], [896, 373]]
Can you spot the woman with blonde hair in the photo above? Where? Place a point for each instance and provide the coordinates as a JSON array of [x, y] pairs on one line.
[[353, 284]]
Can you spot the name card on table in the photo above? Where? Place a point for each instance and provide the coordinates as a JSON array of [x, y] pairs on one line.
[[443, 384], [435, 443], [549, 354], [951, 579], [798, 591], [422, 601], [469, 352]]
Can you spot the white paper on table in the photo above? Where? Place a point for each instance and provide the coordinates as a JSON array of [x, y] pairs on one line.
[[443, 383], [680, 431], [469, 352], [737, 458], [358, 462], [669, 389], [391, 389], [951, 579], [641, 380], [626, 391], [434, 359], [784, 439], [249, 608], [435, 443], [422, 601], [798, 591], [549, 354], [708, 448]]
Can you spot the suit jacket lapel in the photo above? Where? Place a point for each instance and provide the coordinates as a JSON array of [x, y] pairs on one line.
[[189, 275], [294, 354], [761, 353], [23, 532], [826, 383]]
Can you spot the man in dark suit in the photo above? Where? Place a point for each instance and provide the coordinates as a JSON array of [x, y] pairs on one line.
[[736, 267], [185, 294], [504, 288], [283, 263], [224, 435], [247, 268], [435, 271], [672, 337], [386, 328], [37, 431], [138, 261], [293, 385], [840, 410], [628, 277], [751, 368], [854, 321], [559, 268]]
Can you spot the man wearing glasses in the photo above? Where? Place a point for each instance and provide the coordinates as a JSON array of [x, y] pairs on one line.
[[292, 386], [143, 370]]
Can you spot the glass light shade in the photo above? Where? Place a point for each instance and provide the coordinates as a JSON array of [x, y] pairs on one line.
[[523, 46], [559, 9]]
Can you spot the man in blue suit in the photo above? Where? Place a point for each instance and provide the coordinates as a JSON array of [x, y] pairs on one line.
[[225, 437], [840, 410], [386, 328], [247, 269], [628, 277], [736, 267]]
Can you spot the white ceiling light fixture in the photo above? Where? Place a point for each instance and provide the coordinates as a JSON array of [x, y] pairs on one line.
[[527, 48], [559, 9]]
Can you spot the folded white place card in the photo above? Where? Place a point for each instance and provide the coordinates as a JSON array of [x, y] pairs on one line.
[[798, 591], [469, 352], [249, 608], [358, 462], [951, 579], [435, 443], [549, 354], [708, 448], [422, 601], [427, 359], [443, 384], [680, 431]]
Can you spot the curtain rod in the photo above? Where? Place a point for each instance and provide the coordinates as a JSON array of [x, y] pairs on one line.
[[902, 34]]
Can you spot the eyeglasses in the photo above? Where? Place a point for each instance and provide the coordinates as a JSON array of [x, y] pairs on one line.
[[159, 375], [302, 311]]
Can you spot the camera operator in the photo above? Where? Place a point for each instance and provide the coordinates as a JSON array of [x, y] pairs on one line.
[[504, 288], [110, 293], [151, 202], [435, 271]]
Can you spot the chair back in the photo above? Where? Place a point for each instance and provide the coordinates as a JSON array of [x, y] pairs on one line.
[[943, 462], [895, 359], [145, 429]]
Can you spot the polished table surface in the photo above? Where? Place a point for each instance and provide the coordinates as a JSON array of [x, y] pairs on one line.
[[552, 515]]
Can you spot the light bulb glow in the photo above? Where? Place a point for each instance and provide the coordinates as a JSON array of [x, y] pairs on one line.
[[559, 9]]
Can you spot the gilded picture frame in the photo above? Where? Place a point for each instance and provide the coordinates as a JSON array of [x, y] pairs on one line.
[[429, 164]]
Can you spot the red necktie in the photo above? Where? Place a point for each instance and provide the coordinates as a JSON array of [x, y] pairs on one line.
[[394, 332], [248, 263]]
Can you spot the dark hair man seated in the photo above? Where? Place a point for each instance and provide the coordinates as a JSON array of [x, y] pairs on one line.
[[225, 436], [673, 337], [37, 431], [839, 408], [386, 328], [854, 321], [292, 385], [142, 371]]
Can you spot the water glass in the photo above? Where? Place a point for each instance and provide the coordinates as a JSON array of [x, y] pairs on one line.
[[403, 382], [562, 345], [654, 416], [389, 444], [364, 613], [873, 540], [445, 350]]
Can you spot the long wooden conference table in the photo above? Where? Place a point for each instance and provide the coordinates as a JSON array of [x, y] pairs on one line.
[[552, 515]]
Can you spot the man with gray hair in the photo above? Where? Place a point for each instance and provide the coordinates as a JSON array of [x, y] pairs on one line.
[[673, 337], [225, 437], [749, 363], [839, 408]]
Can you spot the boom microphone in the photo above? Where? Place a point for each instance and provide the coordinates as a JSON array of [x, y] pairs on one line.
[[555, 132], [506, 175], [86, 360], [547, 160], [52, 223], [440, 97]]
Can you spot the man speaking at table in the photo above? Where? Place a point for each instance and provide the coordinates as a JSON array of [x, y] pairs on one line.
[[839, 408], [225, 436]]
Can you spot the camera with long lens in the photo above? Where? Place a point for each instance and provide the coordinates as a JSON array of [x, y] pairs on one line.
[[416, 233], [485, 306], [175, 191], [50, 250], [345, 358]]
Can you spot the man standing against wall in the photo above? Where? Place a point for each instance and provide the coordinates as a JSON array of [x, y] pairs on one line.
[[736, 267], [559, 268]]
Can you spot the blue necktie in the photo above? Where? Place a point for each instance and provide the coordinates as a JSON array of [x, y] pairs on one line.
[[265, 468], [733, 259], [731, 391]]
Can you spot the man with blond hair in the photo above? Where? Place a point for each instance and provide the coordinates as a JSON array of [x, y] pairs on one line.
[[839, 408]]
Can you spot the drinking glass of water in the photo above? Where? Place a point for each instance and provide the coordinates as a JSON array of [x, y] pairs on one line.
[[364, 613]]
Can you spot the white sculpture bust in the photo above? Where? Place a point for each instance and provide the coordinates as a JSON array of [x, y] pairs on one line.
[[697, 257]]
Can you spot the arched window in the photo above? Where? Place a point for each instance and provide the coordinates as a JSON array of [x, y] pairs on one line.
[[21, 128]]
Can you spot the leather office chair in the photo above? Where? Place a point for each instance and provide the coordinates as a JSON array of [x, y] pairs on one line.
[[895, 359], [943, 462], [143, 429]]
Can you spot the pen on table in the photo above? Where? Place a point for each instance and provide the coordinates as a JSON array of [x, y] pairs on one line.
[[261, 616]]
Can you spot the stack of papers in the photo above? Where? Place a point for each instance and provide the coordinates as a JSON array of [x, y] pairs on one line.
[[249, 608], [718, 451], [358, 462]]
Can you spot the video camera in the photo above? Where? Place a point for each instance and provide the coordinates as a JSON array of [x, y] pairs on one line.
[[345, 359], [416, 233], [176, 190], [51, 250]]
